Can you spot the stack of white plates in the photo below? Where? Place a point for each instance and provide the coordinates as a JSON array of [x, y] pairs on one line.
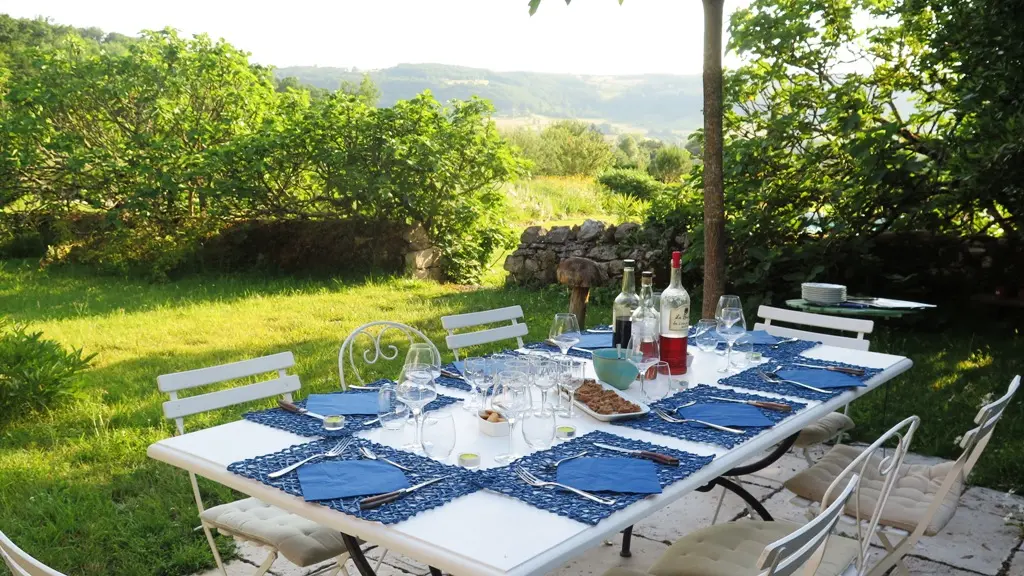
[[828, 294]]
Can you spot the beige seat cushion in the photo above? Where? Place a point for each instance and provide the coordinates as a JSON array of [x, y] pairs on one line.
[[913, 493], [824, 429], [301, 541], [733, 549]]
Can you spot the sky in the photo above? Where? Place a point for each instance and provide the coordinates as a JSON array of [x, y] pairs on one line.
[[589, 37]]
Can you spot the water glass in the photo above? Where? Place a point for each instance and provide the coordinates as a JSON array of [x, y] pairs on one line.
[[392, 412], [657, 382], [539, 428], [706, 335], [571, 375], [438, 438], [416, 389], [476, 370], [741, 352], [511, 399]]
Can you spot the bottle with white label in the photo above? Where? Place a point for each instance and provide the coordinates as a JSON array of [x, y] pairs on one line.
[[675, 319]]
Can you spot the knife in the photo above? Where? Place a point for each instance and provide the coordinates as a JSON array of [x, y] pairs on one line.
[[774, 406], [382, 499], [298, 409], [843, 369], [450, 374], [655, 456]]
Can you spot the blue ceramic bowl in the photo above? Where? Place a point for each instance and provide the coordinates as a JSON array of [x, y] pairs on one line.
[[617, 372]]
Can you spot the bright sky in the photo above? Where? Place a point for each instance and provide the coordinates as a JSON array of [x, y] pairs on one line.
[[588, 37]]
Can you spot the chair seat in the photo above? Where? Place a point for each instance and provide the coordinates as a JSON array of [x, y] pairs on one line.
[[824, 429], [911, 496], [733, 549], [301, 541]]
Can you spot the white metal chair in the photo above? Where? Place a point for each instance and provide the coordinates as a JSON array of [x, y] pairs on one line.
[[20, 563], [837, 323], [926, 496], [510, 314], [299, 540], [375, 333]]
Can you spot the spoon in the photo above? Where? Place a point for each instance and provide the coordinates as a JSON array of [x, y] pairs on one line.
[[370, 454]]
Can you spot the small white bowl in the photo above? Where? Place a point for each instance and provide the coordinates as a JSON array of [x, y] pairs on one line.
[[495, 429]]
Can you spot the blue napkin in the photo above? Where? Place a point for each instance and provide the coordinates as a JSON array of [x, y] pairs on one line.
[[593, 341], [758, 337], [821, 378], [346, 403], [345, 478], [726, 414], [626, 475], [460, 367]]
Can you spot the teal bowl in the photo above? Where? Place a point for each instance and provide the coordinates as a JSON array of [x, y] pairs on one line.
[[617, 372]]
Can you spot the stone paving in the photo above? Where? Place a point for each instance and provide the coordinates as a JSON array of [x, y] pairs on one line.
[[977, 541]]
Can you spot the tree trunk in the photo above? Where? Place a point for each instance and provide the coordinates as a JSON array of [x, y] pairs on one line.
[[578, 298], [714, 193]]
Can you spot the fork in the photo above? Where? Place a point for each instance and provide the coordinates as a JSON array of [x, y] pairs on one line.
[[366, 452], [775, 379], [554, 464], [781, 342], [669, 418], [333, 452], [526, 476]]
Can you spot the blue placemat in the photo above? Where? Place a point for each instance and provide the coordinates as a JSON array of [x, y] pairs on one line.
[[697, 433], [504, 480], [556, 350], [307, 426], [348, 404], [461, 482], [456, 383], [749, 379]]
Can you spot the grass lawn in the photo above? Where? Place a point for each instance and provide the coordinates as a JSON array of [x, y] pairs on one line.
[[77, 490]]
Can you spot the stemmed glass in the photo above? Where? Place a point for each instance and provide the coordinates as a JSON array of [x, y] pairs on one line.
[[643, 351], [731, 325], [726, 301], [421, 353], [478, 375], [570, 375], [511, 398], [565, 332], [416, 389], [545, 377]]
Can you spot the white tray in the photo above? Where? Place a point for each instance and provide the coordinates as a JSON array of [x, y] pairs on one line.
[[644, 408]]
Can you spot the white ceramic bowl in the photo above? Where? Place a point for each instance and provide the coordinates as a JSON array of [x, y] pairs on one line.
[[495, 429]]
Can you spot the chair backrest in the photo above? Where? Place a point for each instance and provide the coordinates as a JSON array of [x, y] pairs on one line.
[[804, 548], [177, 408], [858, 326], [510, 314], [20, 563], [374, 333]]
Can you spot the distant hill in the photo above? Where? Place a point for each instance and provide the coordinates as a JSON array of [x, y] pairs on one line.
[[663, 106]]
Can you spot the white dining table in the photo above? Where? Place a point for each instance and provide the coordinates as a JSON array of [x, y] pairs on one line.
[[486, 533]]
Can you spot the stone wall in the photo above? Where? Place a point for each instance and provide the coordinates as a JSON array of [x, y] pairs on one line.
[[540, 250]]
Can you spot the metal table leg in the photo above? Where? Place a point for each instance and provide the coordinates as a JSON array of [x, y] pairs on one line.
[[358, 558], [757, 466], [627, 538]]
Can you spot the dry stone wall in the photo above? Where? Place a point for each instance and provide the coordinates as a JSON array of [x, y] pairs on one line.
[[536, 259]]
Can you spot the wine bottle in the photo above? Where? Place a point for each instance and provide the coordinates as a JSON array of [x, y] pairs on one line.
[[645, 318], [625, 303], [675, 319]]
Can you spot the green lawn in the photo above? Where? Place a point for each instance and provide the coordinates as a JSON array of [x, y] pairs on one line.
[[77, 490]]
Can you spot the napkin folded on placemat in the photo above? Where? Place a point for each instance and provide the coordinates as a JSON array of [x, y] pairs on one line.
[[626, 475], [595, 340], [726, 414], [460, 367], [346, 403], [821, 378], [758, 337], [346, 478]]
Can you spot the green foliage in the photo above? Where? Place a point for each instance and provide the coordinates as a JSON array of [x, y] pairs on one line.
[[670, 163], [627, 208], [564, 148], [35, 373], [629, 154], [366, 90], [543, 199], [629, 182]]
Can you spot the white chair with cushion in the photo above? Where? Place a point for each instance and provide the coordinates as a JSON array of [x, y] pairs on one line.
[[780, 548], [379, 337], [925, 497], [20, 563], [301, 541], [513, 330]]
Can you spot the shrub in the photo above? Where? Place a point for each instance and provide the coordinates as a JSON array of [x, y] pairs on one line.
[[670, 163], [35, 372], [554, 198], [627, 208], [636, 183]]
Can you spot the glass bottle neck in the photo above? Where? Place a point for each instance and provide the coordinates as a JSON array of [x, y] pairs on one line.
[[646, 294], [676, 281], [628, 281]]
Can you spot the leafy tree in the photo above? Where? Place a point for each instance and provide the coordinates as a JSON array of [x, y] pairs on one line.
[[628, 153], [366, 90], [575, 148], [630, 182], [670, 163]]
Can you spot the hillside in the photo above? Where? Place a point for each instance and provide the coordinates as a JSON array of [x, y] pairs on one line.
[[663, 106]]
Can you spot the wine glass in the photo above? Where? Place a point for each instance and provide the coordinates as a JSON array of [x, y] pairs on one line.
[[707, 334], [545, 377], [539, 428], [392, 412], [571, 374], [658, 382], [477, 373], [422, 353], [565, 332], [643, 351], [726, 301], [439, 435], [416, 389], [510, 399], [731, 326]]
